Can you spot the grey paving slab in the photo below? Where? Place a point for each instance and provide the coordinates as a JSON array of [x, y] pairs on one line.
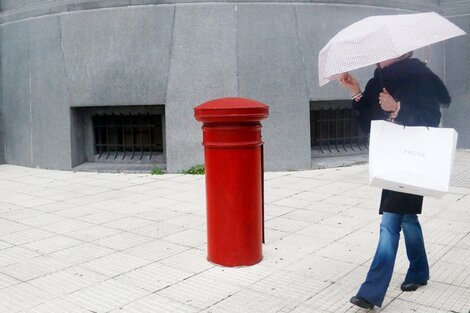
[[128, 243]]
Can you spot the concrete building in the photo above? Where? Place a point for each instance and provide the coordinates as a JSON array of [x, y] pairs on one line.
[[116, 81]]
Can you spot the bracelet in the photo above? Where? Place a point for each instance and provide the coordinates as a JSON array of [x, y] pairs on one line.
[[395, 114], [357, 97]]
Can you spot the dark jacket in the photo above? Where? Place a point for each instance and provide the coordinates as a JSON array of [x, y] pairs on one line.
[[421, 93]]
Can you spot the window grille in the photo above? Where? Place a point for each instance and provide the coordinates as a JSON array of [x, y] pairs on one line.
[[129, 135], [334, 128]]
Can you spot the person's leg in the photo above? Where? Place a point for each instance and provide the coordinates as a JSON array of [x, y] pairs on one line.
[[418, 272], [380, 273]]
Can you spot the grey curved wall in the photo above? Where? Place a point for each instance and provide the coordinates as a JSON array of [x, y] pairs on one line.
[[179, 55], [20, 9], [457, 74]]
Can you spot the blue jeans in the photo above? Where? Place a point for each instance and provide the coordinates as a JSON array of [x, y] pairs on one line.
[[381, 269]]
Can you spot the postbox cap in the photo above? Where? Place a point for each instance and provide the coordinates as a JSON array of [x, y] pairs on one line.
[[231, 110]]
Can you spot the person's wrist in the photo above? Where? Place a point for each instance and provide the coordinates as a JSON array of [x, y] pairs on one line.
[[356, 97], [394, 114], [355, 91]]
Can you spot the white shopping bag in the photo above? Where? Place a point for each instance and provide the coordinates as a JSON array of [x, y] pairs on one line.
[[411, 159]]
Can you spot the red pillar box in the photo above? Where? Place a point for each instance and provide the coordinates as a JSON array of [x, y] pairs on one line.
[[234, 179]]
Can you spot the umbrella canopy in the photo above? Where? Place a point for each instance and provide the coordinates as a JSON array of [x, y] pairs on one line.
[[379, 38]]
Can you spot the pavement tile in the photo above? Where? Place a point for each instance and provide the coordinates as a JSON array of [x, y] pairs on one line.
[[153, 277], [346, 221], [292, 202], [347, 253], [105, 296], [187, 220], [25, 236], [33, 268], [155, 303], [195, 207], [72, 210], [22, 296], [127, 223], [156, 250], [7, 227], [66, 226], [310, 196], [253, 301], [343, 200], [464, 242], [159, 202], [457, 275], [201, 291], [306, 216], [7, 281], [56, 306], [159, 214], [190, 261], [272, 210], [52, 244], [43, 220], [158, 230], [101, 217], [93, 233], [20, 214], [457, 256], [189, 238], [324, 232], [4, 245], [286, 225], [81, 253], [67, 281], [320, 268], [115, 264], [401, 306], [16, 254], [441, 296], [94, 242], [290, 285], [122, 241]]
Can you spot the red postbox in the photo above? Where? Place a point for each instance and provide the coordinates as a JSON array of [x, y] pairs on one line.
[[233, 156]]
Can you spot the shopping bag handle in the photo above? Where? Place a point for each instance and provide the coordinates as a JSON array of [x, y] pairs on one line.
[[427, 127]]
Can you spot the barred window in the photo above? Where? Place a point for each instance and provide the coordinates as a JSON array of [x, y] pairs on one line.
[[334, 129], [132, 135]]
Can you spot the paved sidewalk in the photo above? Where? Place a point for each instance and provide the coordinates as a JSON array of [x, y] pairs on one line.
[[136, 243]]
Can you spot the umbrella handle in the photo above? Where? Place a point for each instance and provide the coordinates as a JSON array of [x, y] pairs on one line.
[[426, 53]]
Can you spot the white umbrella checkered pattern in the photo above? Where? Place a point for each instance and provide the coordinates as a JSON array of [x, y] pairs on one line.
[[378, 38]]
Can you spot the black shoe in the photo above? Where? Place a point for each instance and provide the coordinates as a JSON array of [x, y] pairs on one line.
[[405, 286], [361, 302]]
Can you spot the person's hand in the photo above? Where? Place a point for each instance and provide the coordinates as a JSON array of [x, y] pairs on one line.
[[348, 81], [386, 101]]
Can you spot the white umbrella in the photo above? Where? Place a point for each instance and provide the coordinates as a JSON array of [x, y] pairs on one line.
[[379, 38]]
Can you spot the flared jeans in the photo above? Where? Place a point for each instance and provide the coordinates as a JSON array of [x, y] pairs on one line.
[[381, 270]]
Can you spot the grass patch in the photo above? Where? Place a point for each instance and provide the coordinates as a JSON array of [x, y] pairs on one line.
[[157, 171], [195, 170]]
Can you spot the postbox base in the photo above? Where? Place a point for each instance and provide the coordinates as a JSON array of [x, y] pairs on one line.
[[234, 263]]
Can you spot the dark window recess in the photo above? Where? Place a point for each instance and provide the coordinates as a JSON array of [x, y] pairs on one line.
[[334, 129], [127, 135]]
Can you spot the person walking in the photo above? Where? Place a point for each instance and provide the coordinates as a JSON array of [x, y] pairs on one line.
[[405, 91]]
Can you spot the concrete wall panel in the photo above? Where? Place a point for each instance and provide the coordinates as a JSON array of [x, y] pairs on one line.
[[15, 82], [457, 54], [117, 56], [49, 99], [21, 9], [271, 70], [203, 67]]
